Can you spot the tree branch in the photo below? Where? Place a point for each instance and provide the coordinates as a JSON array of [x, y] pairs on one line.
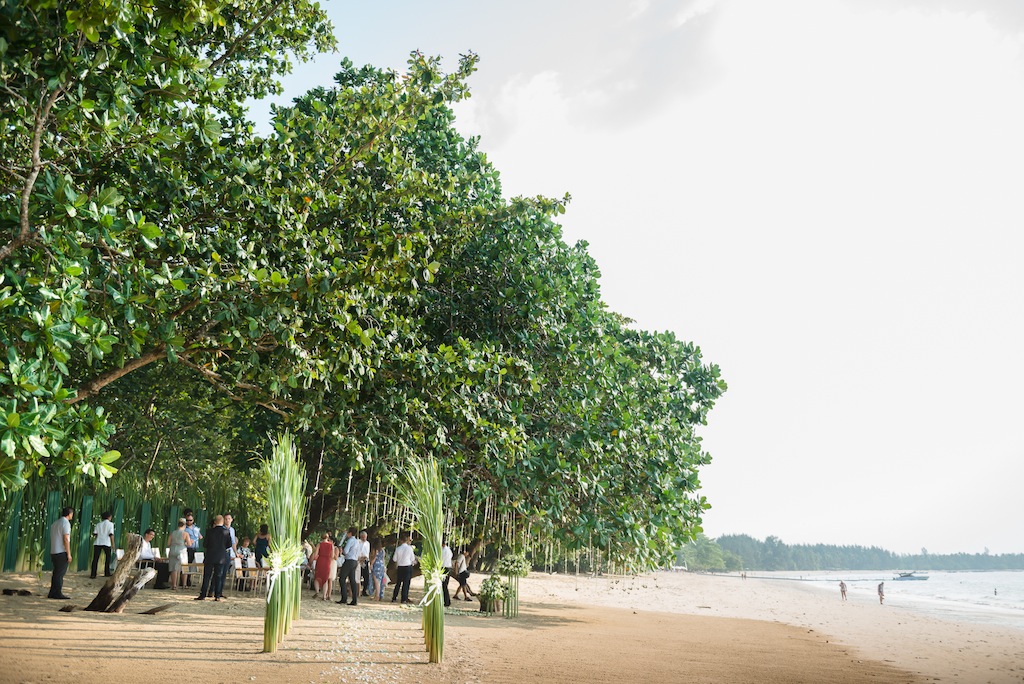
[[245, 36], [215, 379], [24, 227], [94, 386]]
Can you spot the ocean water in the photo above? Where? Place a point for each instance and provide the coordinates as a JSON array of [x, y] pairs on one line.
[[995, 598]]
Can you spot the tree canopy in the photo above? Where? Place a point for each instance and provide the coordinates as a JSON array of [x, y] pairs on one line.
[[356, 274]]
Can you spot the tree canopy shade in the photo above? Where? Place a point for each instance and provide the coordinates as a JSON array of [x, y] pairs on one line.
[[356, 274], [117, 133]]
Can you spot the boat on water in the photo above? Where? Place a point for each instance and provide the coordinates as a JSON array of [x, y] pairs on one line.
[[910, 576]]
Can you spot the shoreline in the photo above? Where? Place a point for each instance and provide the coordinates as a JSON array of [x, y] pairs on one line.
[[901, 636], [570, 629]]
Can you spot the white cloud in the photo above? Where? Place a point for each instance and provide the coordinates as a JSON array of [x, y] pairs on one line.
[[835, 221], [823, 194], [693, 10]]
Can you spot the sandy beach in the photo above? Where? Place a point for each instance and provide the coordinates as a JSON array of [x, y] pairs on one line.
[[670, 627]]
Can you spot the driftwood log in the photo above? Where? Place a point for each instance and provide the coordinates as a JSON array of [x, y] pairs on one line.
[[158, 609], [113, 596], [129, 593]]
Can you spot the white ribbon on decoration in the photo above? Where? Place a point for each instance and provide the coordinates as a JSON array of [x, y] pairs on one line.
[[433, 588], [273, 575]]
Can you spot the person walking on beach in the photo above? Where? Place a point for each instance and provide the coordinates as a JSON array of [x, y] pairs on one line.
[[842, 589], [881, 592], [60, 551], [461, 569], [103, 542]]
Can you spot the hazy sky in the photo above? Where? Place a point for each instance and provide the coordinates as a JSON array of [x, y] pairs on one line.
[[825, 195]]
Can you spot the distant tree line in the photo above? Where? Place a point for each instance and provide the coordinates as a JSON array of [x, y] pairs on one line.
[[743, 552]]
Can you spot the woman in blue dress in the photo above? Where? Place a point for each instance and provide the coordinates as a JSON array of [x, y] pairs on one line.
[[262, 545], [378, 571]]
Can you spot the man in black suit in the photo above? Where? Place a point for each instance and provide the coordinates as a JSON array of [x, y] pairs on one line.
[[215, 563]]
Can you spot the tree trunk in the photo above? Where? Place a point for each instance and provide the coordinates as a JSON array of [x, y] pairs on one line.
[[112, 587], [472, 552], [129, 593]]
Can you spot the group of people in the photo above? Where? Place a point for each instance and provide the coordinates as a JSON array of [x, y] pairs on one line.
[[353, 560], [221, 547], [881, 591], [359, 564], [220, 543]]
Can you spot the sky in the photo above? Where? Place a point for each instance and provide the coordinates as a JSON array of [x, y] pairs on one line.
[[824, 195]]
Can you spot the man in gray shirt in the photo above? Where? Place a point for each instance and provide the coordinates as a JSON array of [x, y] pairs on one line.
[[60, 551]]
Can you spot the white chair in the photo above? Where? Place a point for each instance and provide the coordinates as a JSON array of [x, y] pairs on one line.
[[245, 579]]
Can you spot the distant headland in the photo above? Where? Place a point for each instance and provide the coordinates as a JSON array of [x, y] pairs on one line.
[[734, 552]]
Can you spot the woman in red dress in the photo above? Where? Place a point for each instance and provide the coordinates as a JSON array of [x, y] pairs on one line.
[[325, 568]]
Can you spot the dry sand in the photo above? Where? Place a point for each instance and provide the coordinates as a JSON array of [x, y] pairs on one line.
[[660, 628]]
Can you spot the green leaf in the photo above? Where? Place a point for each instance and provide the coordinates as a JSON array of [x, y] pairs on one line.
[[11, 474], [150, 230], [7, 443], [108, 197], [38, 445]]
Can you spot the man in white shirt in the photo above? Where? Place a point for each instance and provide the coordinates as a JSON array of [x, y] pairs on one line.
[[60, 552], [147, 554], [103, 542], [446, 561], [364, 565], [404, 558], [349, 569]]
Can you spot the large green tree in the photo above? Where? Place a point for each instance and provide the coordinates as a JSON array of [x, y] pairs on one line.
[[118, 140], [356, 274]]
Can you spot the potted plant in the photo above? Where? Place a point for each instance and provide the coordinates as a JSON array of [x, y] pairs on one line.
[[492, 591]]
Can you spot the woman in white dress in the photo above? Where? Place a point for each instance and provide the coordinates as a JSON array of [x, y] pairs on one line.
[[177, 542]]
